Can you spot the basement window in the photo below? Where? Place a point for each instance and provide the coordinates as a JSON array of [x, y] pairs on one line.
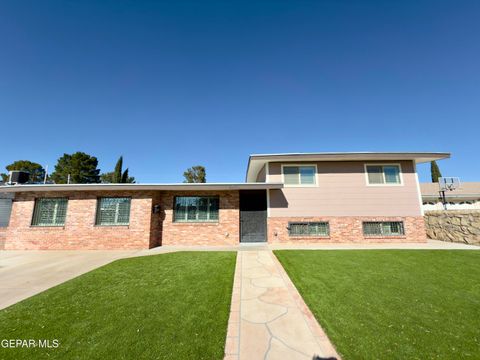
[[113, 211], [308, 229], [383, 228], [50, 212]]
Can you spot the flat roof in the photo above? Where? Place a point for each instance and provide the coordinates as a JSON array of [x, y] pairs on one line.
[[257, 161], [124, 187]]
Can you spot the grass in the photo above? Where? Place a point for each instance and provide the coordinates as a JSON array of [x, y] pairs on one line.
[[392, 304], [170, 306]]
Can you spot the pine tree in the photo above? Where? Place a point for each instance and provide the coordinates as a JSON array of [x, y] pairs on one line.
[[117, 173], [125, 177], [36, 171], [79, 167], [435, 171], [195, 174], [117, 176]]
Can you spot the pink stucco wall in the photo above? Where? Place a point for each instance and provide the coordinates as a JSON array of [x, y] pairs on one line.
[[342, 190]]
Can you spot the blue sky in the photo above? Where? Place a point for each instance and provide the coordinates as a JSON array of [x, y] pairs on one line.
[[178, 83]]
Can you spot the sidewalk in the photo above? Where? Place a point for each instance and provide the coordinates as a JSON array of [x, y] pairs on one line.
[[429, 245], [268, 318]]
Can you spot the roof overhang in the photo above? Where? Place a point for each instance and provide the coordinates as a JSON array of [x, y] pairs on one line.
[[257, 161], [137, 187]]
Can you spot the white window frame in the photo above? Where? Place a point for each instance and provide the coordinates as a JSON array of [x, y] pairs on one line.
[[400, 173], [300, 185]]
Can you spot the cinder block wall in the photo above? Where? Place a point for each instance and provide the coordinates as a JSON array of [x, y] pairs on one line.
[[224, 232], [461, 226], [346, 229], [80, 231]]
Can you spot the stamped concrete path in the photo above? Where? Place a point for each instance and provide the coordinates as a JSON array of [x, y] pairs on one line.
[[268, 318]]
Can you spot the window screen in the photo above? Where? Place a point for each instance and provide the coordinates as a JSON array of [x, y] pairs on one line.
[[5, 211], [383, 228], [383, 174], [50, 212], [309, 229], [196, 208], [113, 211], [299, 175]]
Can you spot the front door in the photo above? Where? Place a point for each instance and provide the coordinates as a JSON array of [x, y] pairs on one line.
[[253, 216]]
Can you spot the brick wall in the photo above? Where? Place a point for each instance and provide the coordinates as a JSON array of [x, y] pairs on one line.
[[3, 232], [80, 231], [149, 229], [346, 229], [156, 222], [225, 232]]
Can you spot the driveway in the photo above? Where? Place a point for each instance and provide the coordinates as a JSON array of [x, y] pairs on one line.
[[26, 273]]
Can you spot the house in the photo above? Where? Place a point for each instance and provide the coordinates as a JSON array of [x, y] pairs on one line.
[[287, 198], [466, 197]]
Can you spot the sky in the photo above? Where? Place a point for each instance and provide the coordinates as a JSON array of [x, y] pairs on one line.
[[171, 84]]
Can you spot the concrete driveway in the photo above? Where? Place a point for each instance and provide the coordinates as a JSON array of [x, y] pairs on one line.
[[26, 273]]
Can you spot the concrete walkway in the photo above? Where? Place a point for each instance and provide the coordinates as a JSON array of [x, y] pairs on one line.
[[268, 318], [26, 273], [429, 245]]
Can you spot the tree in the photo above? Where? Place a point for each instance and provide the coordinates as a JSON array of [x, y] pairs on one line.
[[37, 172], [117, 173], [117, 176], [435, 171], [81, 167], [195, 174]]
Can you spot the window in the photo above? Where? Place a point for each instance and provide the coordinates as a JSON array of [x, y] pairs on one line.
[[383, 174], [309, 229], [196, 209], [113, 211], [299, 175], [383, 228], [5, 210], [50, 212]]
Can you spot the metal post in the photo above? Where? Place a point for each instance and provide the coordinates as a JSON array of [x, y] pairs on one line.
[[46, 175], [444, 200]]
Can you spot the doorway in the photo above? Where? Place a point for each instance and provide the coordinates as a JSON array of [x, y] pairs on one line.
[[253, 216]]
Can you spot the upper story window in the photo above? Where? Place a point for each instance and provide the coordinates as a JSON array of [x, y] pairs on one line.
[[383, 174], [50, 212], [299, 175], [196, 209], [112, 211]]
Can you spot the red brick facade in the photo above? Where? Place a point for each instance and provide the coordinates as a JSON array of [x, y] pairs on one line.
[[346, 229], [225, 232], [80, 231], [3, 232], [151, 224]]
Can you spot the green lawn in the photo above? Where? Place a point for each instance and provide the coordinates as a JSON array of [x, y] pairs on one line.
[[393, 304], [170, 306]]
